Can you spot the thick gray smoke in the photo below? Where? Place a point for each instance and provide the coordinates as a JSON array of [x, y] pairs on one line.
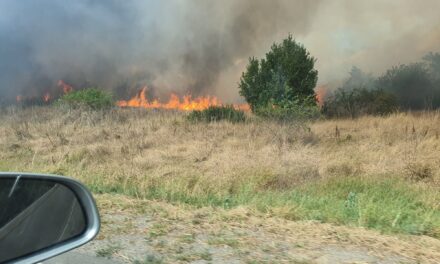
[[198, 46]]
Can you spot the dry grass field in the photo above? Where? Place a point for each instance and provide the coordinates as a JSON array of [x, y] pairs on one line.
[[380, 173]]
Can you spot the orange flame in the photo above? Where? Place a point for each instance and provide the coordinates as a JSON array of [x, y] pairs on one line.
[[243, 107], [66, 88], [47, 97], [140, 100], [321, 93]]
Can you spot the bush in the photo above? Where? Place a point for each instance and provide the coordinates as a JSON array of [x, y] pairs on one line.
[[359, 101], [217, 113], [433, 61], [286, 74], [286, 111], [358, 96], [412, 85], [91, 97]]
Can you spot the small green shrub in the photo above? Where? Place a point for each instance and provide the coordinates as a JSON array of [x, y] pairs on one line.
[[218, 113], [91, 97], [295, 110]]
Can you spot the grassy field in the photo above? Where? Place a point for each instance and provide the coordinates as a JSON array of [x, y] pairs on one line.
[[381, 173]]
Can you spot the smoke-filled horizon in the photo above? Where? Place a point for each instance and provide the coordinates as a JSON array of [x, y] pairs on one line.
[[199, 47]]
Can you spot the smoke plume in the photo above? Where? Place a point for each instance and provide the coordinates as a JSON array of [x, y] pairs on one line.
[[198, 46]]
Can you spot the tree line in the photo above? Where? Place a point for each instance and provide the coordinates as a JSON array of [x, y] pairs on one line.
[[414, 86], [281, 85]]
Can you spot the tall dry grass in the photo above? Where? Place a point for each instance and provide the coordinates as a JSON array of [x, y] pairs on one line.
[[293, 170]]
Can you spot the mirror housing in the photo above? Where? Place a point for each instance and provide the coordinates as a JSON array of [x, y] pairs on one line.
[[59, 191]]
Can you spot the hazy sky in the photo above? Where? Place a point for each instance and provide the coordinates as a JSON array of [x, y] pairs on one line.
[[200, 46]]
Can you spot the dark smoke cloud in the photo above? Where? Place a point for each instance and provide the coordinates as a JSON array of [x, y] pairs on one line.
[[198, 46]]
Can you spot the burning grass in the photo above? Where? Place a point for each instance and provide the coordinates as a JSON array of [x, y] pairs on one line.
[[375, 172], [187, 103]]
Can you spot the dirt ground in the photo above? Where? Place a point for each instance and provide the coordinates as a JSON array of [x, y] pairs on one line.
[[141, 231]]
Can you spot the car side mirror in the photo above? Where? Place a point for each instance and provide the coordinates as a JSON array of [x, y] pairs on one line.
[[42, 216]]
